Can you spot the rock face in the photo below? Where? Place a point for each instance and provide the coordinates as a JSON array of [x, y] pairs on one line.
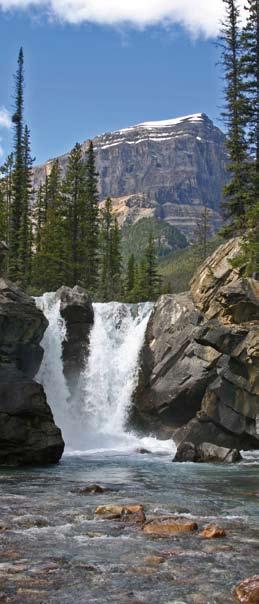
[[28, 434], [77, 310], [199, 377], [169, 169]]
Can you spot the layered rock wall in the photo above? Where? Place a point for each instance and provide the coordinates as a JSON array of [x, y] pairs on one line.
[[199, 377]]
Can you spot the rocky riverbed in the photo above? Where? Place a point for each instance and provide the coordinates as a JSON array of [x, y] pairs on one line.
[[60, 544]]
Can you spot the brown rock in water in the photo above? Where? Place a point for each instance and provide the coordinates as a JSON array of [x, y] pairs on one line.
[[247, 592], [212, 531], [155, 559], [115, 511], [168, 526], [92, 490]]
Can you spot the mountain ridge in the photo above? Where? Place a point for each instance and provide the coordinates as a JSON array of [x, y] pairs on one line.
[[169, 169]]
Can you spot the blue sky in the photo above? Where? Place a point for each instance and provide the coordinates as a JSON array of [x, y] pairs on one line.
[[87, 78]]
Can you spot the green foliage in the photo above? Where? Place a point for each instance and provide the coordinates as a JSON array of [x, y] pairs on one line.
[[90, 221], [110, 287], [178, 269], [235, 115], [135, 237]]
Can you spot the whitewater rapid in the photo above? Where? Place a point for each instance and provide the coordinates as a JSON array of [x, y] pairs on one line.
[[96, 419]]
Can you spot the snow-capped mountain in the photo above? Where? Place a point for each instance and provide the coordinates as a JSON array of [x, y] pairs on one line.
[[169, 168]]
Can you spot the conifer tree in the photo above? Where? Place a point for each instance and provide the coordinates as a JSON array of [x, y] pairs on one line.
[[74, 193], [90, 221], [106, 222], [235, 116], [50, 262], [24, 235], [116, 260], [130, 278], [152, 277], [3, 215], [7, 190], [18, 173]]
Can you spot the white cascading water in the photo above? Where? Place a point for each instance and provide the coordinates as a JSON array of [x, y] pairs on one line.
[[96, 421]]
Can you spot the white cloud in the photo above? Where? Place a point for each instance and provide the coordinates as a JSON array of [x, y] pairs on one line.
[[5, 117], [200, 17]]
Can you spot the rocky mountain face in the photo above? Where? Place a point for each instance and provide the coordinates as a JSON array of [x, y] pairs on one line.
[[169, 169], [199, 376]]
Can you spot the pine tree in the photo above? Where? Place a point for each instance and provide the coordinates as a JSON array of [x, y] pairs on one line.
[[39, 217], [24, 235], [235, 116], [116, 261], [90, 221], [18, 173], [50, 262], [152, 277], [74, 193], [130, 278], [7, 191], [3, 215], [250, 63], [106, 222], [203, 232]]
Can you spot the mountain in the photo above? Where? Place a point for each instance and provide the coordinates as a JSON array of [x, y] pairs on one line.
[[167, 169]]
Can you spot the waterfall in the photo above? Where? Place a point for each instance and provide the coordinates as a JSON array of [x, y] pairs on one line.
[[96, 419], [51, 374]]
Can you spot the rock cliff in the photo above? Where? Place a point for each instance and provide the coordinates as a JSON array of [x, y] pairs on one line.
[[199, 377], [77, 310], [169, 169], [28, 434]]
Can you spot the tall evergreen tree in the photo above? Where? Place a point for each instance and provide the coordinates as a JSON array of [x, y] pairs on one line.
[[90, 221], [18, 173], [235, 116], [130, 278], [74, 193], [24, 235], [152, 277], [7, 190]]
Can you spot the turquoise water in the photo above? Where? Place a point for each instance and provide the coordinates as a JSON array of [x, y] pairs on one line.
[[53, 549]]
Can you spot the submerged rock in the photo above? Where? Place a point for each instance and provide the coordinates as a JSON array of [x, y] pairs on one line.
[[28, 434], [212, 531], [93, 489], [247, 592]]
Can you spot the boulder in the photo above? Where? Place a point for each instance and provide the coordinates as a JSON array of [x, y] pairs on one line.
[[247, 592], [164, 527], [205, 452], [77, 310], [174, 368], [116, 511], [28, 434], [22, 326]]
